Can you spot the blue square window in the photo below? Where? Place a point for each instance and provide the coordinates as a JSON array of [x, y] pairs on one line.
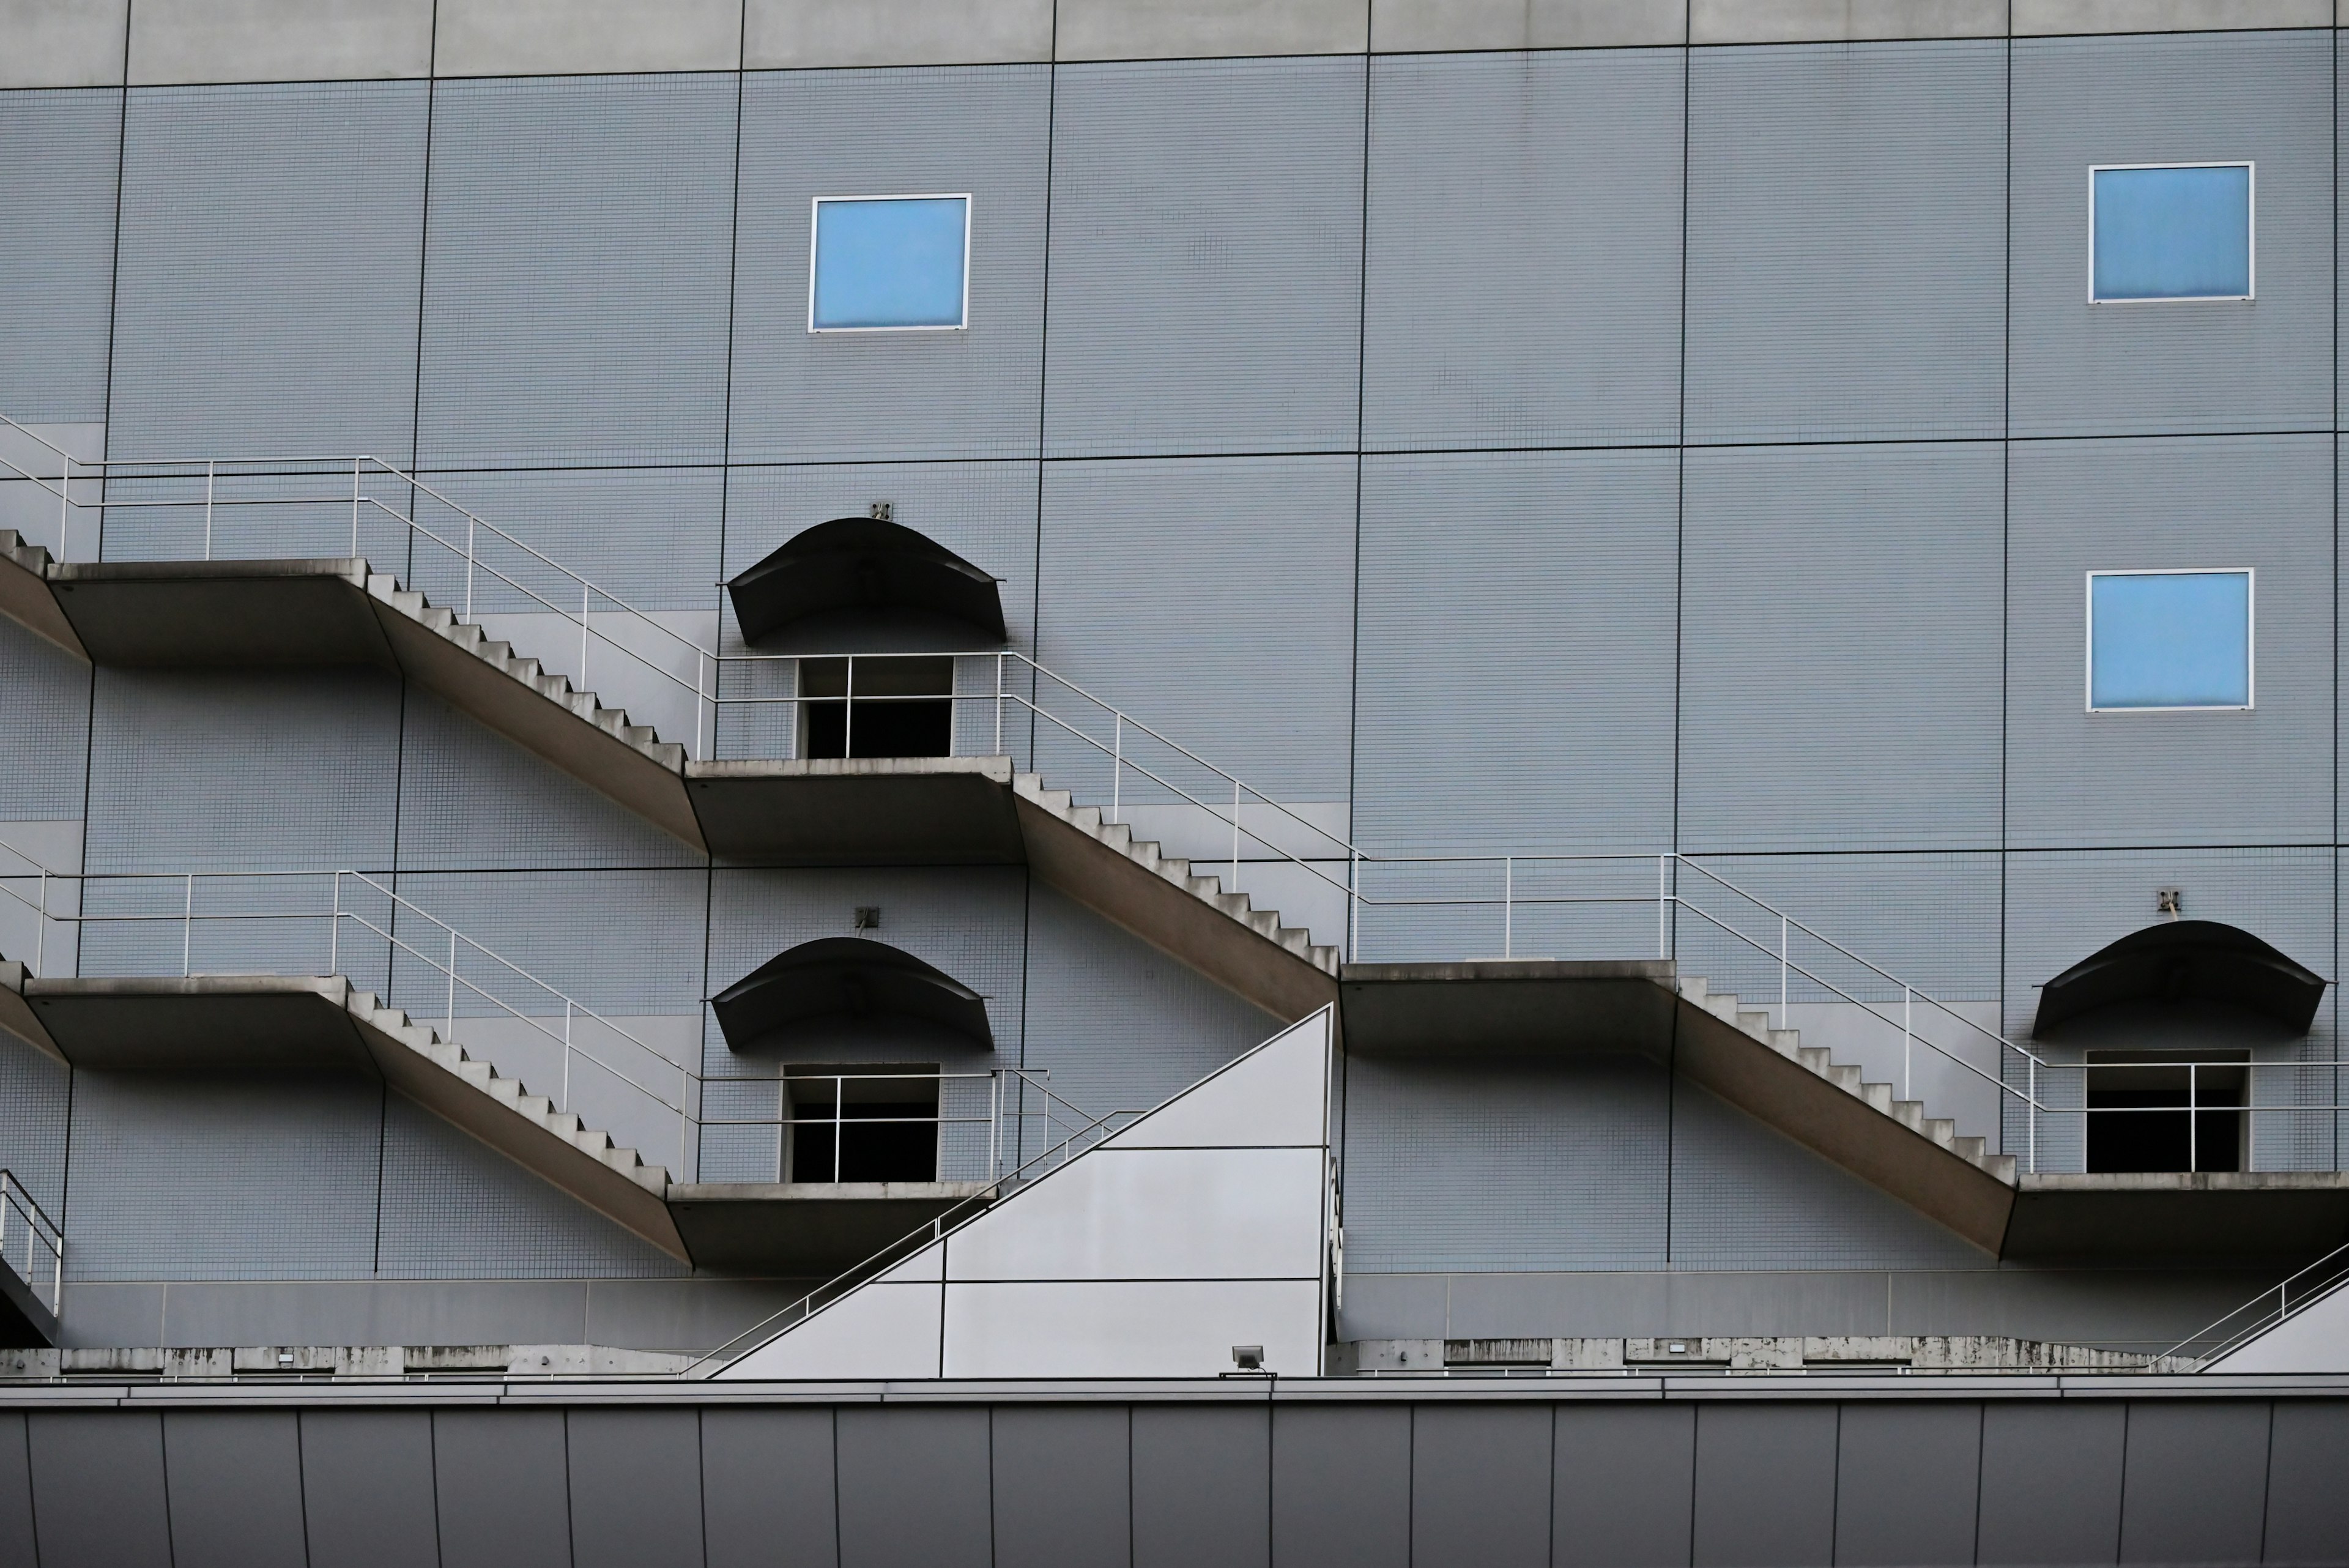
[[2182, 232], [2169, 639], [889, 261]]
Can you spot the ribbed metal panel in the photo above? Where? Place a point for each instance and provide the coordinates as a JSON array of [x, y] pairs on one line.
[[45, 711], [221, 1178], [63, 153], [1206, 256], [1840, 640], [577, 270], [1745, 1197], [2197, 366], [454, 1209], [2078, 780], [1847, 241], [267, 298], [1524, 268], [801, 396], [1245, 660], [242, 771], [1516, 656], [1504, 1164], [1118, 1024]]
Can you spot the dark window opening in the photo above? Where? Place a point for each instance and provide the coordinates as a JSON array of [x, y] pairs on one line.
[[899, 708], [2148, 1115], [864, 1123]]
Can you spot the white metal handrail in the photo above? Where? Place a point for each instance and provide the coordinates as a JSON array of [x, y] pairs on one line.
[[26, 1227], [2289, 1296]]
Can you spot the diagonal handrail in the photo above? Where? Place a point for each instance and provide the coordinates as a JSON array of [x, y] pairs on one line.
[[2328, 1274]]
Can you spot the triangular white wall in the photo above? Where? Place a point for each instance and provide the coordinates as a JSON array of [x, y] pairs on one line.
[[1202, 1226], [2313, 1339]]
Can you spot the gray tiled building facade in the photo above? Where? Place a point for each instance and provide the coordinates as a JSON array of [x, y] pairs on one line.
[[1577, 430]]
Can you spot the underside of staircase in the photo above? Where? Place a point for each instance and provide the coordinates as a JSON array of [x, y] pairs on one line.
[[917, 810]]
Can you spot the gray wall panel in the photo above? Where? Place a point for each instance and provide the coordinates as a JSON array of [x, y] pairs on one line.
[[1625, 1480], [1931, 920], [223, 1176], [2076, 779], [767, 1494], [1845, 240], [1841, 640], [1341, 1486], [1766, 1485], [2308, 1510], [366, 1489], [2051, 1482], [1119, 1024], [577, 270], [16, 1542], [471, 800], [1257, 602], [1063, 1484], [57, 184], [98, 1489], [45, 708], [645, 537], [1480, 1486], [1505, 1163], [1906, 1482], [2196, 1486], [801, 396], [1524, 250], [636, 1488], [1206, 257], [235, 1479], [2197, 366], [1745, 1196], [272, 240], [1515, 663], [1202, 1486], [35, 1091], [621, 940], [452, 1208], [242, 771], [500, 1476], [914, 1488]]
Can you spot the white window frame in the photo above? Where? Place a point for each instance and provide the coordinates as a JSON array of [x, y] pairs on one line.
[[816, 232], [2251, 639], [2251, 234]]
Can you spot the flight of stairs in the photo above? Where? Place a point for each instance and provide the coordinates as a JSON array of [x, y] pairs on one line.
[[537, 1110], [1788, 1043], [1209, 891]]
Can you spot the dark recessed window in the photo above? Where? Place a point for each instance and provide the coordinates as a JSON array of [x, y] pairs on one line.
[[897, 707], [2147, 1113], [870, 1123]]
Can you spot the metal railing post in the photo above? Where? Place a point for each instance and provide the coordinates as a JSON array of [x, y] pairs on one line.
[[698, 752], [999, 704], [1236, 836], [450, 1025], [2030, 1110], [848, 714], [65, 499], [188, 927], [41, 929], [334, 930], [1663, 906], [1906, 993], [470, 523], [1508, 906], [208, 508], [584, 591], [1353, 903], [354, 508], [839, 1108], [2193, 1116], [1782, 974], [1117, 770], [564, 1103]]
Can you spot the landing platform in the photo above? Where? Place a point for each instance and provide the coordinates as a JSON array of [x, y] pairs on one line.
[[811, 1227]]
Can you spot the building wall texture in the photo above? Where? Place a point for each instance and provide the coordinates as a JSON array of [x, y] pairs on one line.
[[1691, 436]]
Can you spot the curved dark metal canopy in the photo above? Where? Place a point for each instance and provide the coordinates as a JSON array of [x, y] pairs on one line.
[[2177, 961], [836, 980], [863, 562]]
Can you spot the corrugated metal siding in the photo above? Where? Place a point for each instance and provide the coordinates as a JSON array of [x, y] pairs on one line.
[[1505, 1164], [577, 269], [2210, 366], [2082, 780], [1524, 268], [1846, 239], [267, 303], [1840, 642], [1207, 256], [1745, 1197], [454, 1209], [1210, 599], [803, 397], [57, 250], [237, 1178]]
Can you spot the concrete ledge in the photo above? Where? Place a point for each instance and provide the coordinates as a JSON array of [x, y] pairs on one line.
[[577, 38], [62, 43], [784, 33], [1209, 29], [886, 811], [1842, 21], [200, 1024], [174, 41], [2177, 1215], [1509, 1007], [213, 614], [804, 1227]]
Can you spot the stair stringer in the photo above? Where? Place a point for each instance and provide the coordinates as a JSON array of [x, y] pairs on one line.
[[526, 1128], [1222, 935], [1824, 1104], [27, 598]]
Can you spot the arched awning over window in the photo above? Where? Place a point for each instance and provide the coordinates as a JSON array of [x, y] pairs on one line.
[[852, 564], [835, 981], [2185, 960]]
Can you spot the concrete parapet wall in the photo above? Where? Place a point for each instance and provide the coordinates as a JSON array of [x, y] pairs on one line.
[[96, 43]]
